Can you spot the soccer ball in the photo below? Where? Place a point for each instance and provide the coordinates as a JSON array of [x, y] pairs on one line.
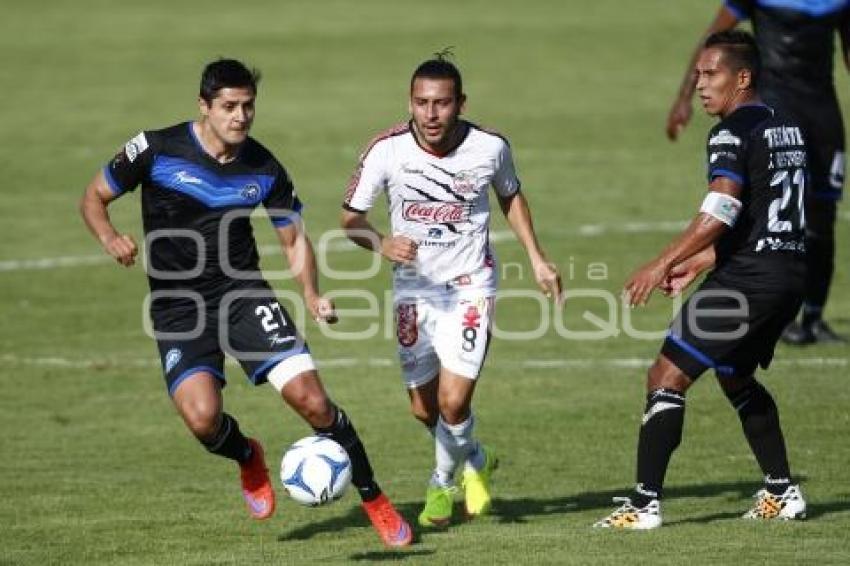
[[315, 471]]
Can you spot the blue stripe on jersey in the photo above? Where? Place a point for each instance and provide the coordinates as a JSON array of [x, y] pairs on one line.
[[110, 180], [813, 8], [714, 173], [699, 356], [212, 189], [281, 221]]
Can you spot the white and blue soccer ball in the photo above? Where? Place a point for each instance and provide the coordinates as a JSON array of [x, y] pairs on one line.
[[315, 471]]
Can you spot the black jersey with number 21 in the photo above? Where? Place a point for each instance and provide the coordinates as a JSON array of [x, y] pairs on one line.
[[765, 153]]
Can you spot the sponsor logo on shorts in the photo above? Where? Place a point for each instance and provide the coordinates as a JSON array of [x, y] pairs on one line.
[[407, 329], [172, 358], [470, 323], [435, 212]]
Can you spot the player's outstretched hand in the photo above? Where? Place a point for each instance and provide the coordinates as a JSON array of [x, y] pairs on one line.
[[640, 285], [123, 248], [400, 249], [678, 118], [549, 279], [323, 310]]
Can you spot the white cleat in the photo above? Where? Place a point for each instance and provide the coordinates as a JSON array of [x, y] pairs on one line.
[[627, 516], [786, 507]]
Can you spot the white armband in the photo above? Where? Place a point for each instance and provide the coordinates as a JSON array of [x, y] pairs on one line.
[[721, 206]]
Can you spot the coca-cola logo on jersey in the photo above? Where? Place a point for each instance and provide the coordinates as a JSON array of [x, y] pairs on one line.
[[435, 212]]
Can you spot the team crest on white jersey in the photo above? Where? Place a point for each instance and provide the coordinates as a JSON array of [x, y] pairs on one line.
[[465, 182]]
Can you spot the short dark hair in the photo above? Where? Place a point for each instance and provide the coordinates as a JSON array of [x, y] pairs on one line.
[[439, 67], [740, 51], [227, 73]]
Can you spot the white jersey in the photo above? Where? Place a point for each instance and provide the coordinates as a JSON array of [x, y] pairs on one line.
[[440, 202]]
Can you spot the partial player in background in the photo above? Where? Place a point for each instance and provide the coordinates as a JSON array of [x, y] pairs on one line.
[[200, 182], [750, 229], [436, 171], [796, 39]]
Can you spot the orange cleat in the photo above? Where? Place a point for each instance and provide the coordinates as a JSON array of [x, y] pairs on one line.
[[256, 486], [391, 526]]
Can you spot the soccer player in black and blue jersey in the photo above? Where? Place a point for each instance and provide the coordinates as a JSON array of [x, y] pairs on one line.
[[200, 182], [750, 233], [796, 40]]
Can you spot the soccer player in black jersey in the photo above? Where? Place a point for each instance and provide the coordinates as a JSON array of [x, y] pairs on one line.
[[200, 182], [750, 228], [796, 40]]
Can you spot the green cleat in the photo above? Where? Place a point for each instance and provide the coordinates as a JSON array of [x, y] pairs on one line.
[[438, 507], [476, 485]]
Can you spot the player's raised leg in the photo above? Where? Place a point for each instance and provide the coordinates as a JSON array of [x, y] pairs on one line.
[[197, 397], [301, 388]]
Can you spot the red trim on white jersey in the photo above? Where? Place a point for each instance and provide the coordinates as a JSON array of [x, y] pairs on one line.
[[396, 130]]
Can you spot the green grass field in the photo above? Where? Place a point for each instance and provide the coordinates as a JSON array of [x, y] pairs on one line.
[[96, 467]]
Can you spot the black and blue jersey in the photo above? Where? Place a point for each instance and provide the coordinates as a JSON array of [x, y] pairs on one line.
[[796, 39], [765, 153], [196, 211]]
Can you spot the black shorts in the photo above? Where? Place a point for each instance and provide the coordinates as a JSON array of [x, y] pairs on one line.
[[249, 325], [729, 330], [823, 129]]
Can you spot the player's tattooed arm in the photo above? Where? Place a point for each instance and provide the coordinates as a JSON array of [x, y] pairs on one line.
[[93, 208]]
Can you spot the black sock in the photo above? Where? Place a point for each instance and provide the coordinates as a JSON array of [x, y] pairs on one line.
[[811, 314], [342, 432], [228, 441], [760, 421], [660, 434]]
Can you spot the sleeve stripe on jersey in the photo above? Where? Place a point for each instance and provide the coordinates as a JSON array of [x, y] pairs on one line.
[[725, 173], [281, 221], [736, 10], [110, 180], [396, 130]]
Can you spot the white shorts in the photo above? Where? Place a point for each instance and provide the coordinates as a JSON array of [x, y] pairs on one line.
[[450, 330]]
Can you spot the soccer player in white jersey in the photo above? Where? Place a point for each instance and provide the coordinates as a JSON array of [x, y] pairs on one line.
[[435, 171]]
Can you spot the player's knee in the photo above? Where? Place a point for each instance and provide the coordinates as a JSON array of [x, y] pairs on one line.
[[202, 418], [663, 374], [454, 410], [316, 409], [421, 413]]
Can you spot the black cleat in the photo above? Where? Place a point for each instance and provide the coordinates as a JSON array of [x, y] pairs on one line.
[[818, 332], [796, 334], [823, 334]]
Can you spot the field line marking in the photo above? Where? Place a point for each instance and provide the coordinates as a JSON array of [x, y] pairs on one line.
[[348, 362], [584, 230]]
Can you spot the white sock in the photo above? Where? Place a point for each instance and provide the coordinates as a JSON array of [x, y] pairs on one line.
[[453, 444]]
